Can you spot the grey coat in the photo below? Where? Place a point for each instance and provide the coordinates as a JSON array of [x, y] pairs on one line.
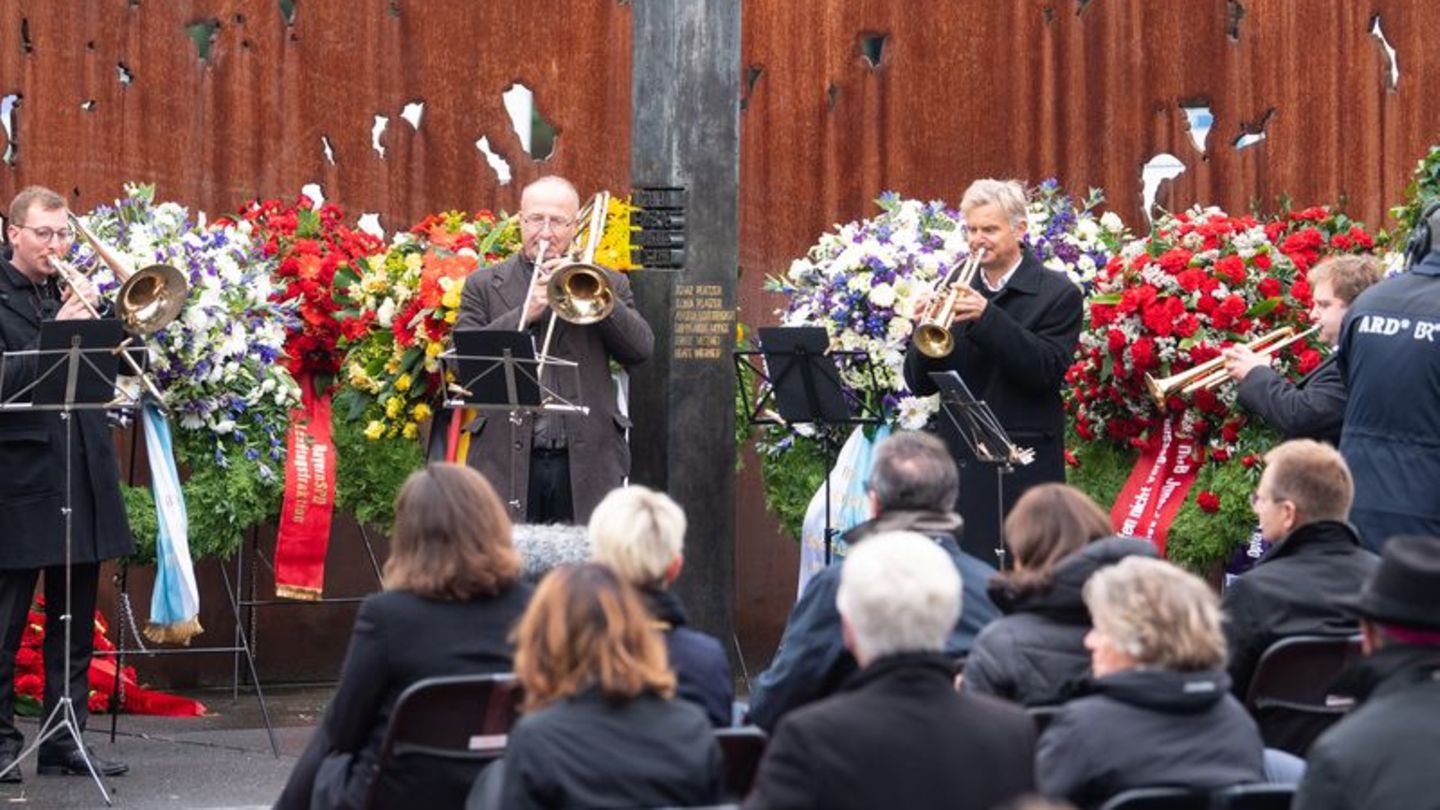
[[599, 453]]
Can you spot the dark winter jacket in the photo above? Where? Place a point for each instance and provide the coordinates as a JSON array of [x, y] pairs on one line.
[[1291, 592], [1382, 755], [812, 660], [1035, 655], [1146, 728], [1312, 407], [898, 735], [701, 668]]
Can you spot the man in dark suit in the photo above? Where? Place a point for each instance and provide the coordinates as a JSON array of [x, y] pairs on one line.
[[898, 734], [32, 454], [554, 467], [1314, 406], [1015, 331]]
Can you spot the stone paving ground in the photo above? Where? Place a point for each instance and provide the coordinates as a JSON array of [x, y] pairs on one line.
[[223, 760]]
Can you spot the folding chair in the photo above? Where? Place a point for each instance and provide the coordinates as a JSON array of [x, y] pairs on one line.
[[1254, 797], [742, 748], [443, 732], [1158, 798], [1289, 695]]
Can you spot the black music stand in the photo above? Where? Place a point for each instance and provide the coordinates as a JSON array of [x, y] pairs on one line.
[[987, 440], [801, 378], [500, 371], [74, 370]]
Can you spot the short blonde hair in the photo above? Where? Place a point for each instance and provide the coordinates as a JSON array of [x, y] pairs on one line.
[[1348, 275], [34, 197], [1164, 617], [1009, 195], [899, 592], [638, 532], [1313, 476]]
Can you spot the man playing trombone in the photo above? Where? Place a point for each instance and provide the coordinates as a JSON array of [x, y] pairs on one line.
[[32, 454], [1013, 329], [554, 467], [1313, 407]]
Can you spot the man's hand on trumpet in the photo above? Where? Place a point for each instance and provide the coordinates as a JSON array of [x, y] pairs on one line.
[[539, 295], [78, 291], [967, 306], [1240, 361]]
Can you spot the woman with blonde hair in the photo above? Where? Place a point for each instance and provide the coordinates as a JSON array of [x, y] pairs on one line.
[[1035, 654], [452, 595], [640, 534], [600, 727], [1160, 712]]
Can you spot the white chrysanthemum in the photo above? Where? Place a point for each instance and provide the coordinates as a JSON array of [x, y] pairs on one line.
[[882, 295], [385, 314], [1112, 223], [915, 412]]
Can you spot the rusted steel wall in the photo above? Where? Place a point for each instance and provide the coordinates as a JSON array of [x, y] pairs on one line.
[[249, 119], [1085, 90]]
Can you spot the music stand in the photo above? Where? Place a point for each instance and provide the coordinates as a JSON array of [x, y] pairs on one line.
[[82, 358], [982, 433], [801, 378], [500, 371]]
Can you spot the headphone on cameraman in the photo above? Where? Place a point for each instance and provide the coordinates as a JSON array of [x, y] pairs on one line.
[[1421, 238]]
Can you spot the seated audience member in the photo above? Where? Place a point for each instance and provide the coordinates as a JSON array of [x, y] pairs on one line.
[[1314, 406], [1382, 754], [913, 485], [640, 534], [1160, 710], [600, 728], [451, 598], [1035, 654], [897, 734], [1302, 502]]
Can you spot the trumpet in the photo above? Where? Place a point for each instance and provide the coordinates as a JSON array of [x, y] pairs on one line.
[[932, 332], [1211, 373]]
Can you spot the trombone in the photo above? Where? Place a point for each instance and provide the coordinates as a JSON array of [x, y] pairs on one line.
[[932, 333], [1211, 373]]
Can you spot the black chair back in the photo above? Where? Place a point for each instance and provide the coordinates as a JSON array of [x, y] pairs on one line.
[[1289, 695], [1158, 798], [742, 748], [442, 733], [1255, 797], [1042, 715]]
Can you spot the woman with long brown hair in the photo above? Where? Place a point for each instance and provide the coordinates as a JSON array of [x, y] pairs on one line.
[[452, 594], [600, 728], [1035, 654]]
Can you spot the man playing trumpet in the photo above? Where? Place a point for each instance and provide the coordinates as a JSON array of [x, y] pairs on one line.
[[554, 467], [1014, 329], [1313, 407], [32, 454]]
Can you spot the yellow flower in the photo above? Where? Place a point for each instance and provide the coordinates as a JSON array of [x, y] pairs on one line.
[[403, 382], [411, 430], [413, 262], [450, 316], [374, 430], [393, 407], [420, 412], [451, 299], [392, 366], [434, 349]]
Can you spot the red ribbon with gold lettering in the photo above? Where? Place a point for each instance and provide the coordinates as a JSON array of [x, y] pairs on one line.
[[304, 534], [1157, 486]]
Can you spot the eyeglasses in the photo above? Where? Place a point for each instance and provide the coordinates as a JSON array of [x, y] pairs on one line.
[[1256, 498], [46, 234], [539, 221]]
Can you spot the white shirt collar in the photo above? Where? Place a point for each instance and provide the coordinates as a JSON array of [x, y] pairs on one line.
[[1005, 279]]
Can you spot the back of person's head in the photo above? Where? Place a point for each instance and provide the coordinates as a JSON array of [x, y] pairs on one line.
[[899, 592], [1349, 275], [452, 538], [1047, 524], [586, 627], [640, 533], [1160, 615], [1313, 476], [914, 471]]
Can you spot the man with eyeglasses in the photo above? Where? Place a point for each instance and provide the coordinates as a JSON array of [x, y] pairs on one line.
[[554, 467], [32, 454]]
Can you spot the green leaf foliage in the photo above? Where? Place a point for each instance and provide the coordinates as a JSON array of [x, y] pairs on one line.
[[370, 472]]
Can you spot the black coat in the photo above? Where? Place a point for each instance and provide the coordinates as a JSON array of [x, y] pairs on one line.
[[1312, 407], [702, 672], [399, 639], [1035, 655], [1382, 754], [599, 450], [899, 736], [584, 752], [1291, 591], [1144, 728], [1391, 368], [32, 454], [1014, 358]]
